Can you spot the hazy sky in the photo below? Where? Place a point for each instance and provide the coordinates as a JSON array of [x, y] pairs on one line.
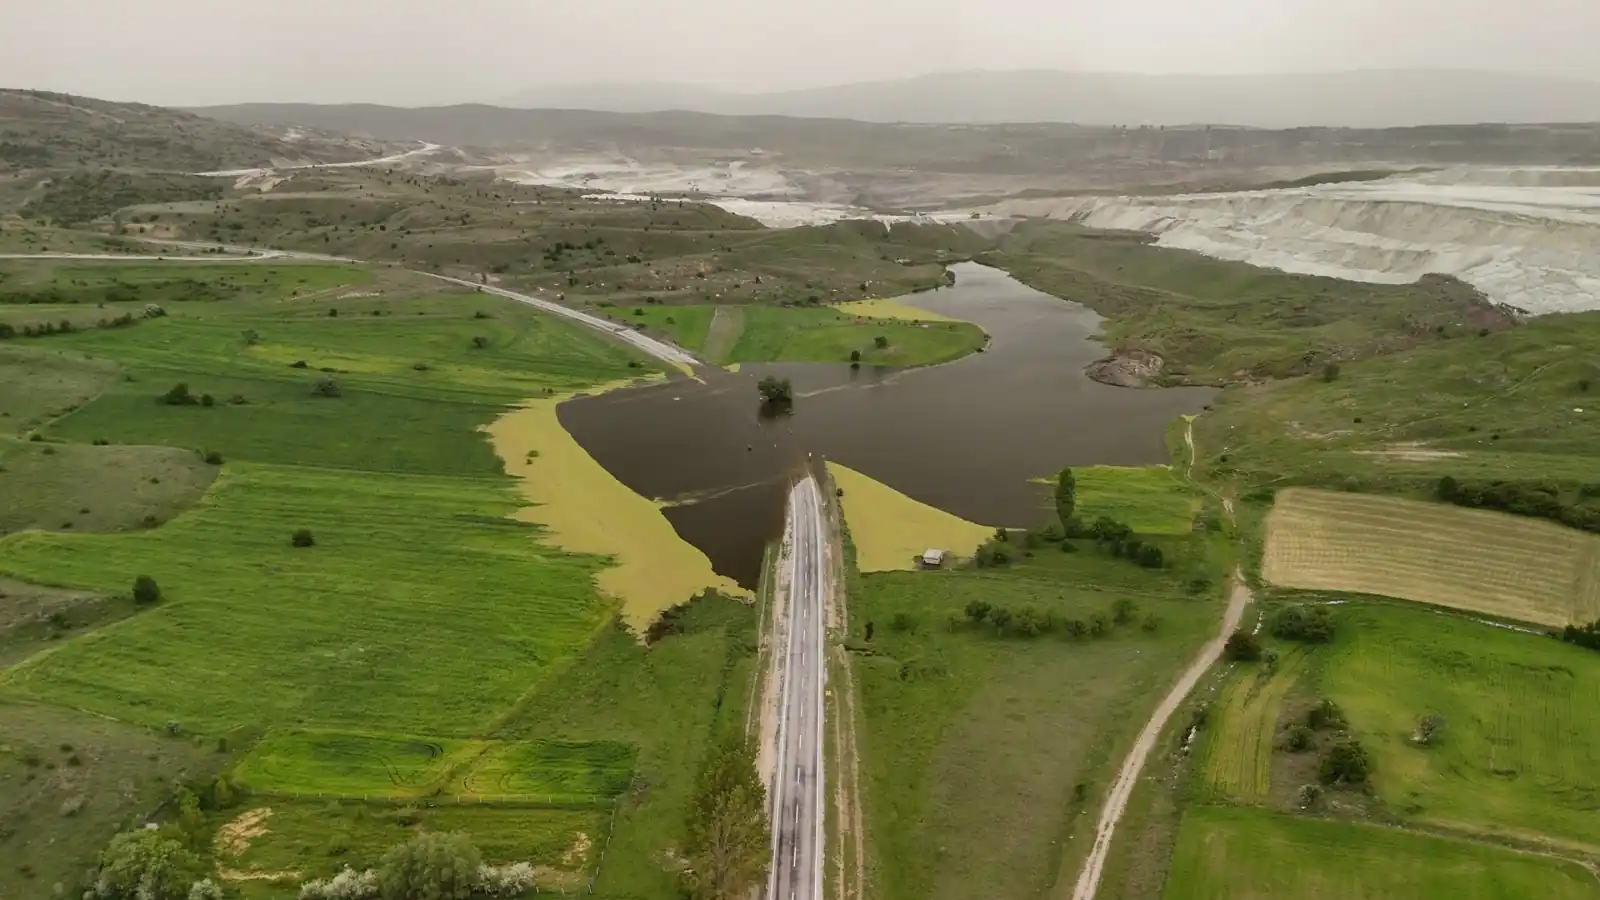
[[440, 51]]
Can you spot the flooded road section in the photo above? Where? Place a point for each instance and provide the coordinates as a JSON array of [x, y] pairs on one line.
[[966, 436]]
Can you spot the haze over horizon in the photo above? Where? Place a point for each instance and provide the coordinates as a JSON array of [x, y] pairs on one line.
[[408, 53]]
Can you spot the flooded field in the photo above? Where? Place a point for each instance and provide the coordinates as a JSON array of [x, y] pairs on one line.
[[965, 437]]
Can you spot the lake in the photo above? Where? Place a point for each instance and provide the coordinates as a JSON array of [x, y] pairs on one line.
[[965, 436]]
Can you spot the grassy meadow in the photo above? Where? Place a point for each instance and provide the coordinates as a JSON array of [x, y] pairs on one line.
[[1231, 853], [1242, 728], [1150, 499], [1503, 406], [984, 758], [1468, 559]]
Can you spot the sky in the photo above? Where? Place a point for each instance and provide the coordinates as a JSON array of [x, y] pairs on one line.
[[419, 52]]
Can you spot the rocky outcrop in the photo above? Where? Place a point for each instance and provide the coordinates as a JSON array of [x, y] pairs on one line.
[[1126, 368]]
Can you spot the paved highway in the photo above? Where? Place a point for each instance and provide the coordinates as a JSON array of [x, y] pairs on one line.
[[796, 792]]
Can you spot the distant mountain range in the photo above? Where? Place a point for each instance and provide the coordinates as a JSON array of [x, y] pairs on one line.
[[1361, 99]]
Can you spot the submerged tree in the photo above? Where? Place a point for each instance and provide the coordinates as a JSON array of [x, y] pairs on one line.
[[728, 841]]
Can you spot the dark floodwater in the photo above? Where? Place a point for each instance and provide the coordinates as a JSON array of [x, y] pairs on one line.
[[965, 437]]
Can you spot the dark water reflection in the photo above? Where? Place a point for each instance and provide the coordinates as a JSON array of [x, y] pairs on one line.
[[965, 437]]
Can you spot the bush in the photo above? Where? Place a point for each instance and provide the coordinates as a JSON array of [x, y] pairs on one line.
[[480, 342], [326, 387], [213, 458], [1151, 622], [1428, 729], [506, 881], [145, 590], [902, 621], [1123, 611], [1303, 622], [1298, 739], [1345, 763], [302, 538], [855, 356], [178, 395], [205, 889], [145, 865], [347, 885], [431, 866], [881, 342], [207, 400], [1242, 646], [1326, 714], [994, 554]]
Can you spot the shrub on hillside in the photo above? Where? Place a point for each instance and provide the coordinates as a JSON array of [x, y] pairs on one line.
[[145, 590], [1326, 714], [178, 395], [302, 538], [213, 458], [326, 387], [347, 885]]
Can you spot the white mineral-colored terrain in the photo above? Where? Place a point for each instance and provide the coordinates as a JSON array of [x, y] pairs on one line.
[[1528, 237]]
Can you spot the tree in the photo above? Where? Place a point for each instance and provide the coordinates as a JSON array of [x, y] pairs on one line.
[[1449, 489], [1330, 372], [145, 591], [302, 537], [881, 342], [728, 841], [1099, 625], [978, 610], [430, 866], [145, 865], [776, 391], [213, 458], [1000, 617], [480, 342], [1076, 628], [1242, 646], [326, 387], [1066, 498], [855, 356], [1345, 763]]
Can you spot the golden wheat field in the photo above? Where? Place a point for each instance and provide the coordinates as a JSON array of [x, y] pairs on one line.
[[1468, 559]]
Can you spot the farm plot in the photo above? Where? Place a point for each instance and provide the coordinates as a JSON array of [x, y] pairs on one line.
[[551, 771], [1520, 751], [1231, 853], [1150, 499], [328, 763], [1238, 760], [1467, 559]]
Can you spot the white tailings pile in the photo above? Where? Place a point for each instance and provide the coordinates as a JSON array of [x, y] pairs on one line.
[[1528, 237]]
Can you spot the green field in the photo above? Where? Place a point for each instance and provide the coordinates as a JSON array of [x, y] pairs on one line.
[[1215, 321], [1502, 406], [973, 744], [1519, 756], [1150, 499], [81, 487], [553, 771], [1227, 853], [349, 765]]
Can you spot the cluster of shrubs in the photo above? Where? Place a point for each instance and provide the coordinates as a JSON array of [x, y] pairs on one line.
[[1582, 635], [428, 865], [8, 331], [1116, 538], [1307, 623], [1030, 621], [1540, 500]]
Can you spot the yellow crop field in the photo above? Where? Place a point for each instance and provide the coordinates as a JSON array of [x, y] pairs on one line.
[[889, 309], [1468, 559], [890, 530]]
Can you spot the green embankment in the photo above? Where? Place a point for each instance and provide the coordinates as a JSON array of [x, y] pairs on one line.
[[1214, 321]]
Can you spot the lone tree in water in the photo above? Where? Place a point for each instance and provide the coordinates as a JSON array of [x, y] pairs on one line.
[[776, 391], [1066, 496], [729, 841]]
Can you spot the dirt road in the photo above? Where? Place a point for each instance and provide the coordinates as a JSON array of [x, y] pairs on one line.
[[1128, 775], [796, 792]]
